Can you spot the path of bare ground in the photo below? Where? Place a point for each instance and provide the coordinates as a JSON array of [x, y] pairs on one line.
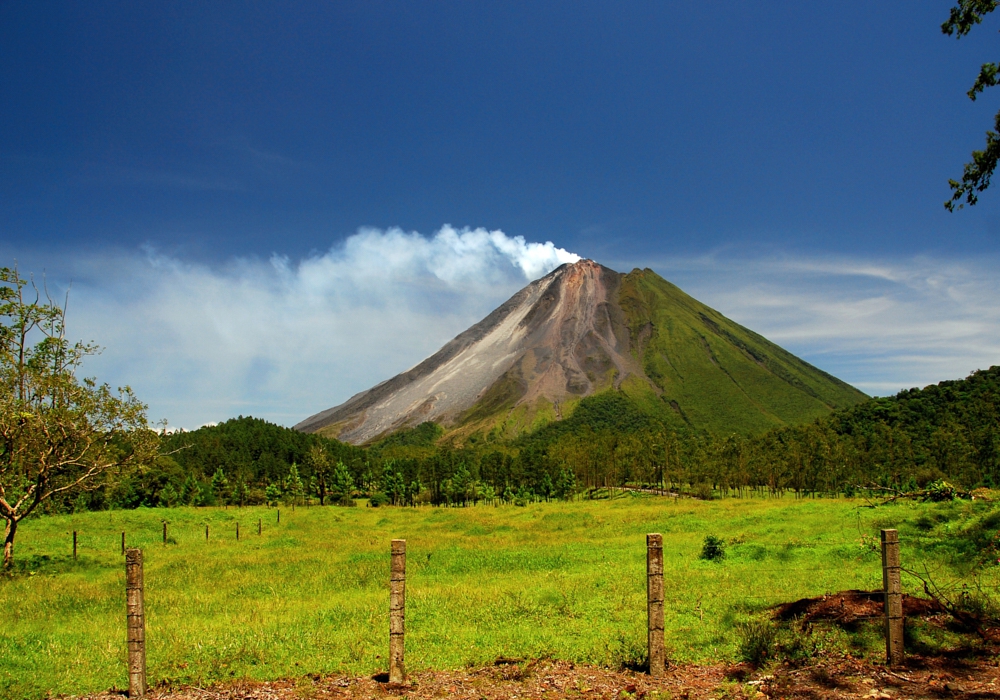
[[824, 678]]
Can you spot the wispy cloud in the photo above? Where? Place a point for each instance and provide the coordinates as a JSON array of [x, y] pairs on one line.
[[282, 339], [882, 325]]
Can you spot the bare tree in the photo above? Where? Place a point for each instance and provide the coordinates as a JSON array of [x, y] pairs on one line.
[[58, 433]]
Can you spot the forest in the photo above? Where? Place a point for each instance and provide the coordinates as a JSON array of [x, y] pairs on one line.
[[944, 434]]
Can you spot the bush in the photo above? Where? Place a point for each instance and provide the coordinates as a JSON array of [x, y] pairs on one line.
[[378, 499], [713, 549], [941, 490], [979, 604], [628, 653], [703, 492], [756, 640]]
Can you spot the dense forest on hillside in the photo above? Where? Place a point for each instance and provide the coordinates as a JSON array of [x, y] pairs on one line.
[[949, 431]]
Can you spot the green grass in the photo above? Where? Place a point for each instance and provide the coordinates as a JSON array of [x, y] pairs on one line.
[[311, 595]]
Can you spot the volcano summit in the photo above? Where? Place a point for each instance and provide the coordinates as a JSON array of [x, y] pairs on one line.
[[584, 329]]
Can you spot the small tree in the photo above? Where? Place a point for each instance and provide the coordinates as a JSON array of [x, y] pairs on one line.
[[318, 460], [713, 548], [294, 488], [220, 486], [343, 484], [461, 481], [240, 492], [273, 494], [169, 496], [546, 488], [393, 483], [188, 492], [412, 491], [58, 433], [565, 484]]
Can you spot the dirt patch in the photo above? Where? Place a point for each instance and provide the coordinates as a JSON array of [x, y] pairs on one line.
[[848, 607], [823, 677], [852, 678]]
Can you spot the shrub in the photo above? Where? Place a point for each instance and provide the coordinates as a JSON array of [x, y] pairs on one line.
[[941, 490], [979, 604], [378, 499], [713, 549], [628, 653], [756, 640], [703, 492]]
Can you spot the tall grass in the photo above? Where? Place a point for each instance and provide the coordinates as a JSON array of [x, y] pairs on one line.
[[310, 595]]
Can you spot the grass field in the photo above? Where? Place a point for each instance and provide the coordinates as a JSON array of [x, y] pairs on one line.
[[310, 595]]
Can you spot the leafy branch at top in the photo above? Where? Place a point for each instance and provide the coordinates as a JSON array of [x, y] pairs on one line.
[[977, 173]]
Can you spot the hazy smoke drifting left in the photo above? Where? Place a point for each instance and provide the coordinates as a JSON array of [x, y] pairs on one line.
[[281, 339]]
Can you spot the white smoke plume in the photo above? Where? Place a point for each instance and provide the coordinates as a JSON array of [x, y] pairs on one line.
[[282, 339]]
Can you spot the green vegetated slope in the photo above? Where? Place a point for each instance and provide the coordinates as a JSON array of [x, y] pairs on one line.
[[970, 406], [567, 580], [716, 375], [260, 450], [946, 430]]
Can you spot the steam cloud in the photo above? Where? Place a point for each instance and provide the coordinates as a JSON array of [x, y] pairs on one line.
[[281, 339]]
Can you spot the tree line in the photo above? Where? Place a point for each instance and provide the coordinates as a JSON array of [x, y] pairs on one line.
[[944, 432]]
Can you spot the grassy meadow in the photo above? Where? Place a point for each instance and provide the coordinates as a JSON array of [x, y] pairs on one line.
[[310, 595]]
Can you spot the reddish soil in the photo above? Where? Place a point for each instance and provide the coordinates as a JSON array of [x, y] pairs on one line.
[[847, 607], [824, 678]]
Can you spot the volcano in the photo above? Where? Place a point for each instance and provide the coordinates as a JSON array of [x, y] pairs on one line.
[[585, 329]]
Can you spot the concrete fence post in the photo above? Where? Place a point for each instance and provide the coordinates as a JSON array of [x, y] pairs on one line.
[[397, 612], [136, 616], [654, 604], [893, 598]]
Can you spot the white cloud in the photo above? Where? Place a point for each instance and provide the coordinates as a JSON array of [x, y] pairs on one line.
[[282, 339], [880, 325]]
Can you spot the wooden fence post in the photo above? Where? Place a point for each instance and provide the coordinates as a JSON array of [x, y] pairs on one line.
[[893, 598], [259, 520], [237, 532], [136, 623], [164, 532], [206, 533], [397, 612], [123, 543], [279, 516], [654, 604], [74, 544]]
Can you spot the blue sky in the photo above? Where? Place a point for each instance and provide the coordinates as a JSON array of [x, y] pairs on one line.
[[187, 164]]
